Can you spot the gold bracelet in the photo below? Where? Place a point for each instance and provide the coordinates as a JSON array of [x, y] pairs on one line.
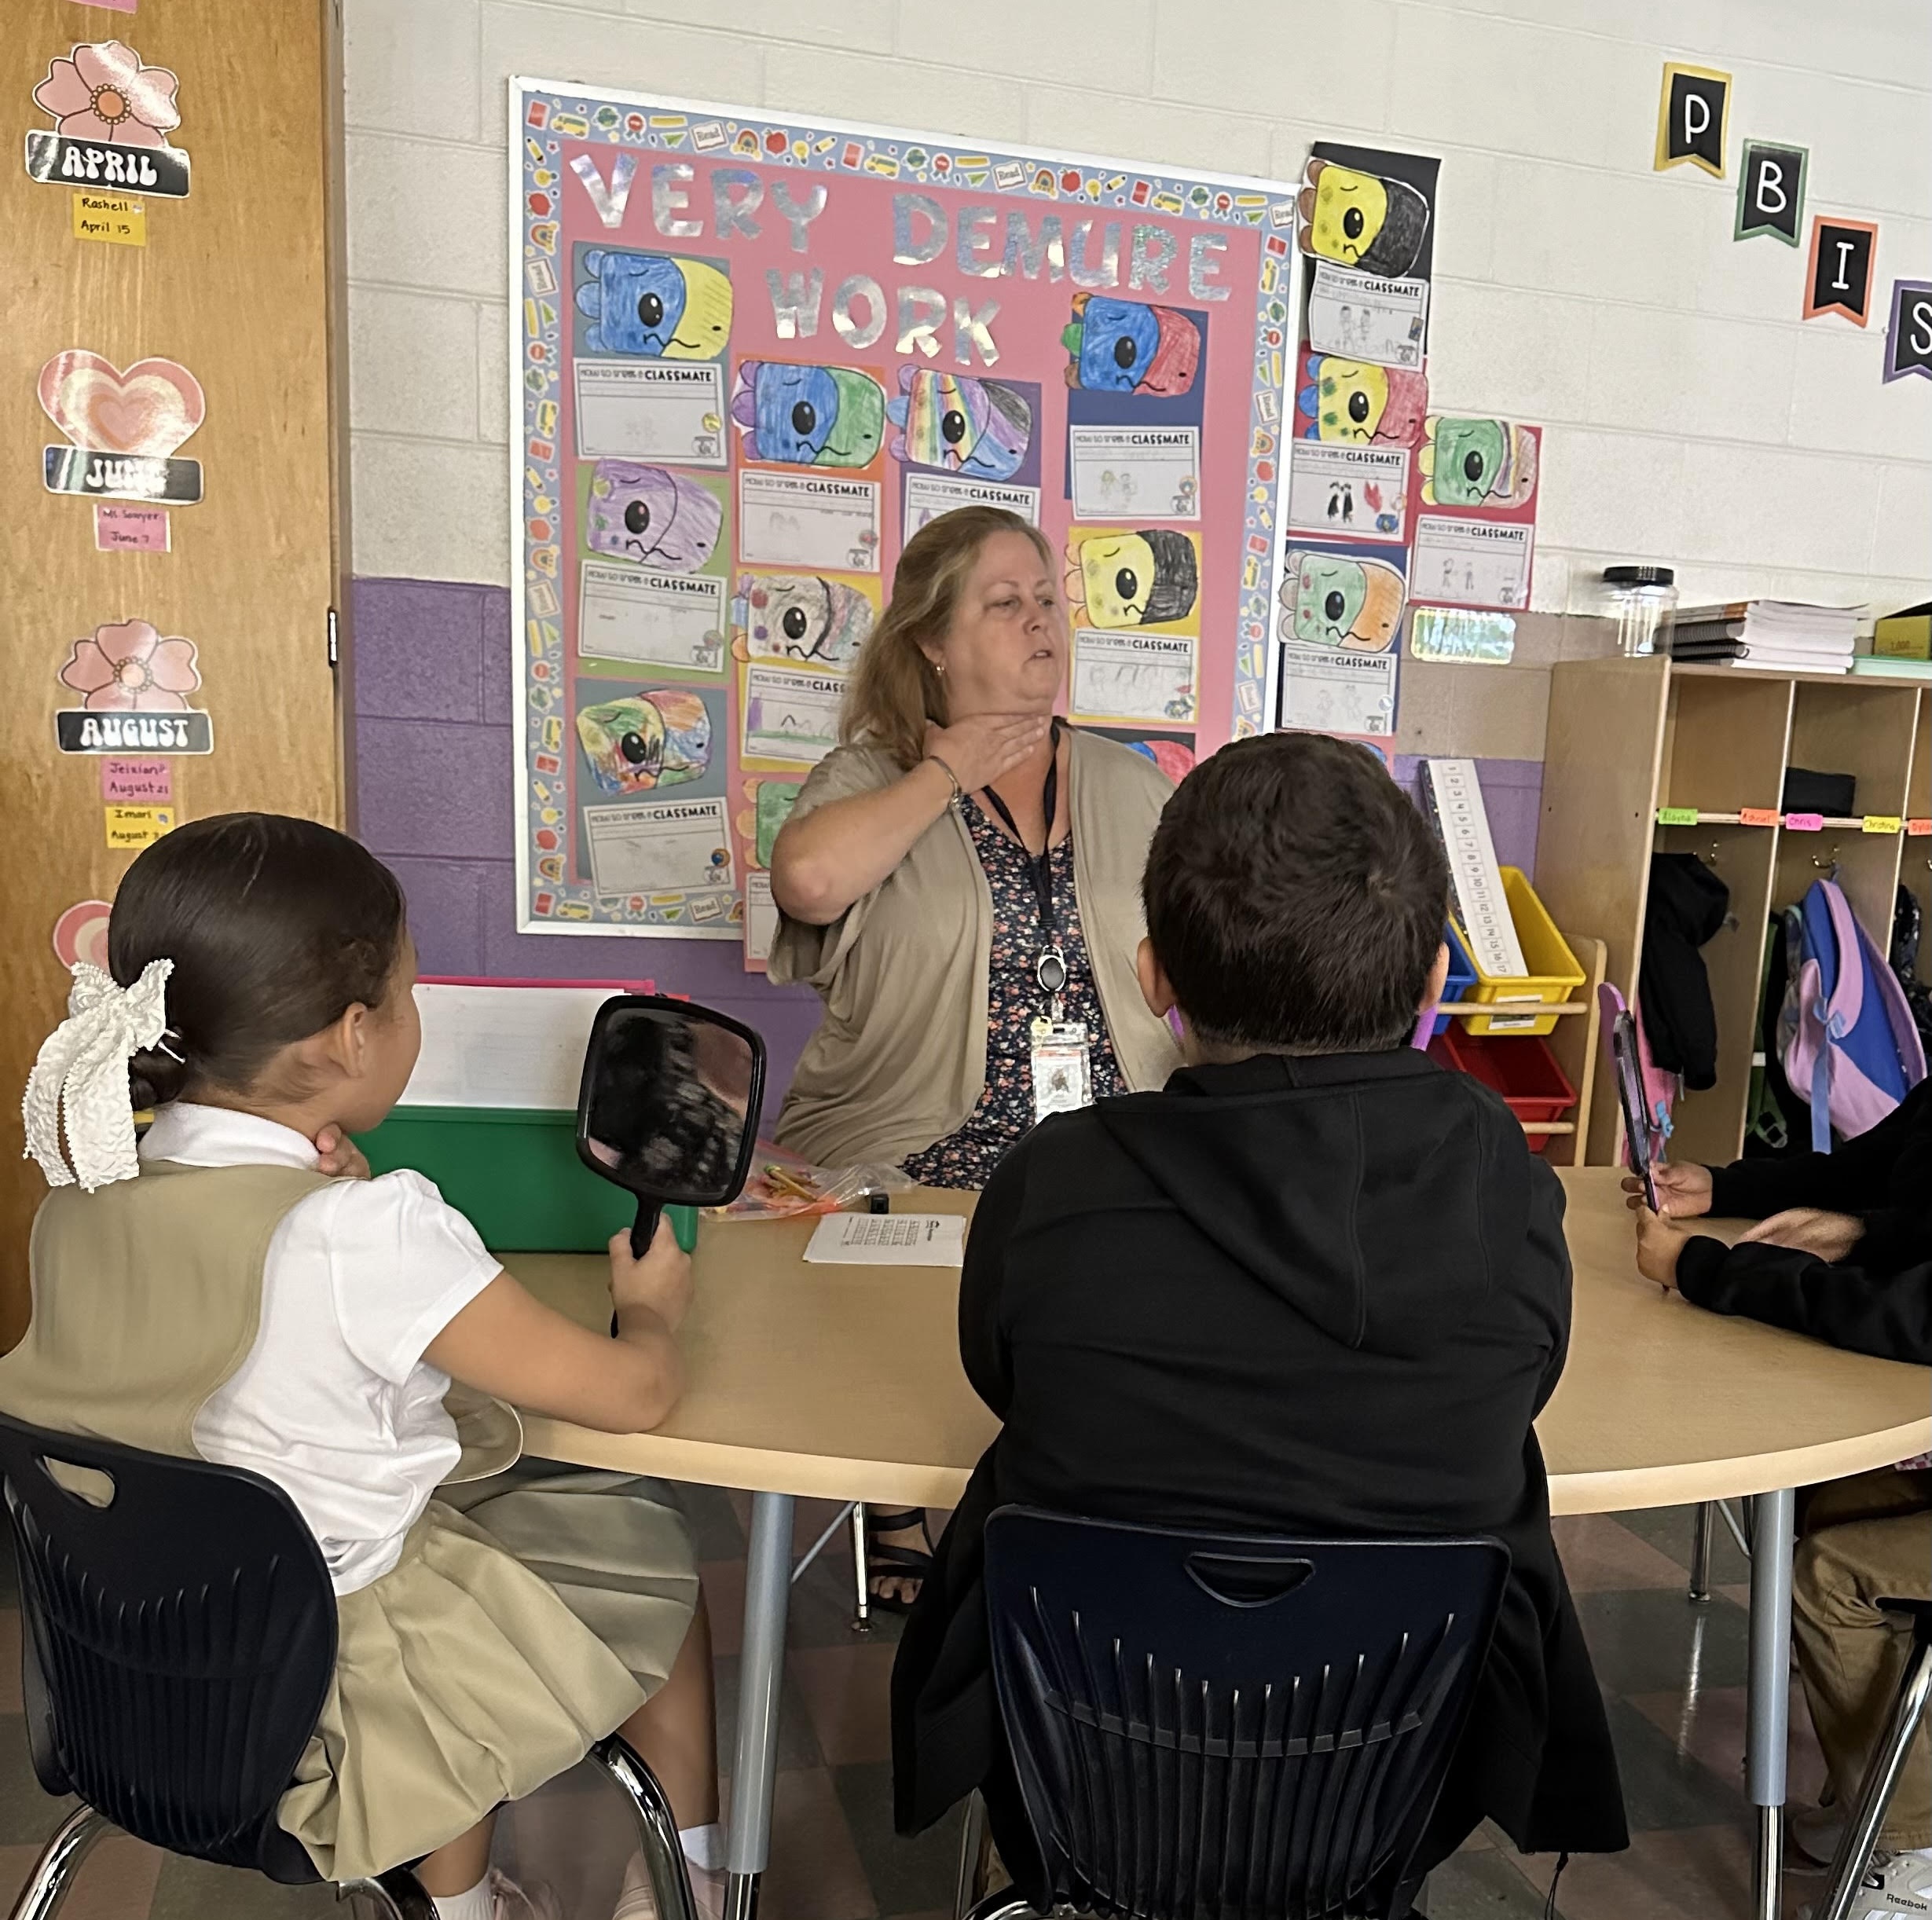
[[959, 792]]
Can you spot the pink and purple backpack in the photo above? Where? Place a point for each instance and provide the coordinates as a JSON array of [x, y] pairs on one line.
[[1850, 1044]]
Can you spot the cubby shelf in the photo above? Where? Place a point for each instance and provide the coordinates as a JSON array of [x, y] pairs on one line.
[[1628, 738]]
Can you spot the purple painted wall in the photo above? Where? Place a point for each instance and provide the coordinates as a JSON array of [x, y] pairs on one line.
[[433, 781]]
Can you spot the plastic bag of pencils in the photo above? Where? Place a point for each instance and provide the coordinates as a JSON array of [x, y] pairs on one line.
[[782, 1187]]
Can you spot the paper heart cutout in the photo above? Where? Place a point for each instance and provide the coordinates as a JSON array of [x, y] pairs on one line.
[[148, 410]]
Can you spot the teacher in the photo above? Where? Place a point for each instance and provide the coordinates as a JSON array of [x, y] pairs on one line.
[[960, 879]]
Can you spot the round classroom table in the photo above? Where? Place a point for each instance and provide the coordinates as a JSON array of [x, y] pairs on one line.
[[844, 1383]]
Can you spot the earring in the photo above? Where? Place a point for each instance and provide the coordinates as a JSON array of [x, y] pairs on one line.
[[939, 667]]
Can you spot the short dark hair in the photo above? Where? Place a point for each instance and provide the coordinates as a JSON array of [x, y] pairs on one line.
[[1295, 898], [276, 926]]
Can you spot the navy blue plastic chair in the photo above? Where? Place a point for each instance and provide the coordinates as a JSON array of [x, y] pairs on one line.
[[1209, 1726], [178, 1641]]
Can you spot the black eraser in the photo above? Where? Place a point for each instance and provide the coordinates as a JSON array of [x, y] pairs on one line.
[[878, 1203]]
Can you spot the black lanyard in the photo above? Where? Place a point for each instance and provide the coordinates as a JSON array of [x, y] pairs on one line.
[[1050, 969]]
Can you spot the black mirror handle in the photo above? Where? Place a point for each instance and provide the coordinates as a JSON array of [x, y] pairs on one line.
[[645, 1231]]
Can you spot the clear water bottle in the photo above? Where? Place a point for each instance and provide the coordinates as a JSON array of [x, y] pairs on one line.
[[1643, 601]]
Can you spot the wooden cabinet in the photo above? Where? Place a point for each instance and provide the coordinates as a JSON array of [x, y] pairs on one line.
[[233, 283], [1629, 739]]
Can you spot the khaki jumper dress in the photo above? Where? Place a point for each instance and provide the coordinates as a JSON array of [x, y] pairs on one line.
[[504, 1641]]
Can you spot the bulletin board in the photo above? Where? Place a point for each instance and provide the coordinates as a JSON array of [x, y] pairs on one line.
[[749, 357]]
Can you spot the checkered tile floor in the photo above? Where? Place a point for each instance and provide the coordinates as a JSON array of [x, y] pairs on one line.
[[1673, 1673]]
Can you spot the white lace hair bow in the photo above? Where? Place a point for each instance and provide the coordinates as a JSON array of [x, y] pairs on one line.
[[82, 1066]]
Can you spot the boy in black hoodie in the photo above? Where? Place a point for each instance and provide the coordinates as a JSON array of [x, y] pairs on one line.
[[1316, 1285]]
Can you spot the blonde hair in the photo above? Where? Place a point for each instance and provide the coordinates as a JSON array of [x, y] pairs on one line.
[[895, 690]]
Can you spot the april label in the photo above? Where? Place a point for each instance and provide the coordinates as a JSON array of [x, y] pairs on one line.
[[161, 172]]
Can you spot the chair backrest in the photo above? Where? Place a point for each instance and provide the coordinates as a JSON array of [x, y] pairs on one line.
[[1208, 1726], [176, 1643]]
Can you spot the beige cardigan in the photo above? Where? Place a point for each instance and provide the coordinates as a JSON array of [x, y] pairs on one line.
[[899, 1060]]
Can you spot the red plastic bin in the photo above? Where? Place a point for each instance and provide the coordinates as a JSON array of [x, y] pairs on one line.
[[1520, 1066]]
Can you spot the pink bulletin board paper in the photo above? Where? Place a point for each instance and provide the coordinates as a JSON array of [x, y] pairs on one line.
[[748, 353]]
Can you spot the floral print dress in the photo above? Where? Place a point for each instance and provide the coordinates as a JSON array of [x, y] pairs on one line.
[[966, 1156]]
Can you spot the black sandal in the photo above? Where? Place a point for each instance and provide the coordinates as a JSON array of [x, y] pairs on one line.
[[887, 1560]]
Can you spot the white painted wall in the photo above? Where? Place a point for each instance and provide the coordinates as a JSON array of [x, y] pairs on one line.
[[1693, 417]]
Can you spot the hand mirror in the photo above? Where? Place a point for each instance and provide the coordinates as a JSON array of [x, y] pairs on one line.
[[668, 1107]]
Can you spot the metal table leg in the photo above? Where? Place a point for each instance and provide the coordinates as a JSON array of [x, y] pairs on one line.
[[1768, 1716], [761, 1671], [861, 1572], [1700, 1553]]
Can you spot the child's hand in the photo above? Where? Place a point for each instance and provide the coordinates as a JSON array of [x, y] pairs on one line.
[[1685, 1192], [1810, 1229], [341, 1159], [660, 1281], [1658, 1244]]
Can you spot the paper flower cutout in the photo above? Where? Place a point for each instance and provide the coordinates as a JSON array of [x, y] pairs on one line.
[[103, 92], [128, 667]]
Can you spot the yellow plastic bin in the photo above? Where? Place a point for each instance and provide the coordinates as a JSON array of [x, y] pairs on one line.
[[1554, 974]]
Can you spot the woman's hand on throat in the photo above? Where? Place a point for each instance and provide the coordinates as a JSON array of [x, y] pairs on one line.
[[983, 747]]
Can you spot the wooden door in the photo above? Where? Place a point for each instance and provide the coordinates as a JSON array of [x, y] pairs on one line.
[[232, 283]]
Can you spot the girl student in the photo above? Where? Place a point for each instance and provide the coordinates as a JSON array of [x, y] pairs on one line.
[[239, 1290]]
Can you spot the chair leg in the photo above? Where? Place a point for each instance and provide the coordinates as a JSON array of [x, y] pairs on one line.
[[1881, 1780], [970, 1889], [60, 1860], [657, 1827], [861, 1572], [1004, 1905], [1700, 1553]]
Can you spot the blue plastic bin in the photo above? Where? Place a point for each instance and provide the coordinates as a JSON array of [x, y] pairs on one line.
[[1461, 976]]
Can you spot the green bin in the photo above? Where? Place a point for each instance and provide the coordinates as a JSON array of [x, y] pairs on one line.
[[514, 1173]]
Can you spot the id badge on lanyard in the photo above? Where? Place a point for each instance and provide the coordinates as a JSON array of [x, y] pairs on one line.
[[1063, 1066], [1061, 1056]]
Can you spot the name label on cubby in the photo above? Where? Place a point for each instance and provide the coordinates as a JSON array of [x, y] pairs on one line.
[[1758, 816], [1677, 816], [1805, 822], [1919, 830], [1882, 823]]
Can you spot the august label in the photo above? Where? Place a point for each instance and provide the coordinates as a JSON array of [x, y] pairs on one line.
[[78, 732]]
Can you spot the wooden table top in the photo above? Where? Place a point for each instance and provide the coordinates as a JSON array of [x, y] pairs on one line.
[[845, 1382]]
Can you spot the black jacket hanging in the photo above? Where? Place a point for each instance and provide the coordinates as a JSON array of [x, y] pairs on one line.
[[1688, 905]]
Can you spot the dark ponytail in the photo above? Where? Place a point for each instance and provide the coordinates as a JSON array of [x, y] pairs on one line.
[[154, 1078], [276, 926]]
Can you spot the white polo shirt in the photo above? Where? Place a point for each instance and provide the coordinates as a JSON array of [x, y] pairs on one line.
[[334, 1402]]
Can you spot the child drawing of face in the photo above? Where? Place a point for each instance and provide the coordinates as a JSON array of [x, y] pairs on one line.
[[652, 307], [1135, 580], [652, 515], [801, 616], [647, 740], [1361, 220], [1347, 400], [1123, 346], [960, 424], [808, 415], [1355, 604], [1466, 462]]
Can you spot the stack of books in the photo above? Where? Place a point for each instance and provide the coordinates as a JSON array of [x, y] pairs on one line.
[[1776, 636]]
